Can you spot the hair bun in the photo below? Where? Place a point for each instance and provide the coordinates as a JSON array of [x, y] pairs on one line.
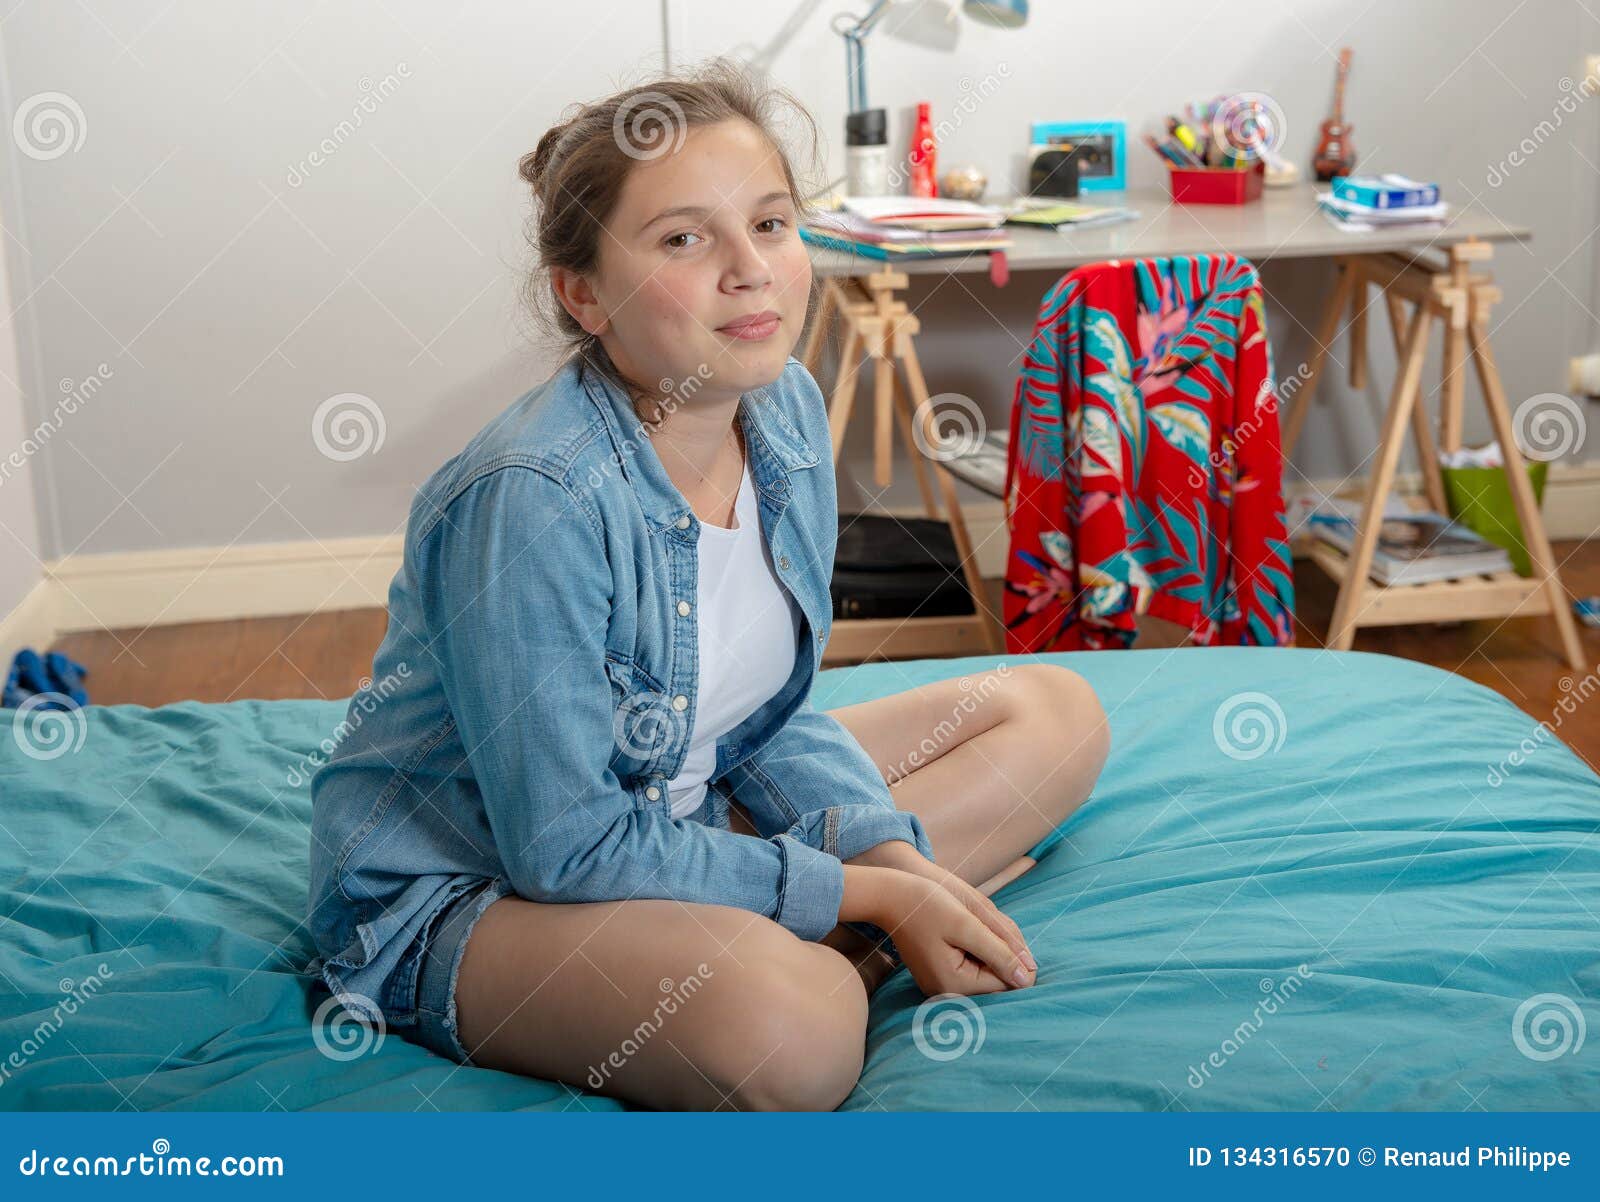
[[532, 166]]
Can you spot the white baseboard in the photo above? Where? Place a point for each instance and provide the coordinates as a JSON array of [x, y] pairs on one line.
[[30, 624], [202, 584]]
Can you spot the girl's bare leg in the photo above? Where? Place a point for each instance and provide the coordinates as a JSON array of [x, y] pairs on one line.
[[612, 996], [871, 965], [666, 1004], [990, 762]]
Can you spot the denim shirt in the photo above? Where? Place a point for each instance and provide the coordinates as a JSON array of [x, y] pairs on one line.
[[536, 688]]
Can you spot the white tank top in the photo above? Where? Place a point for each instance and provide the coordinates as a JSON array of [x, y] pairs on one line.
[[748, 628]]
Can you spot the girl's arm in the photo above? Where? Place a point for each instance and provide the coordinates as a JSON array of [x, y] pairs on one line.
[[870, 895], [814, 778], [516, 590]]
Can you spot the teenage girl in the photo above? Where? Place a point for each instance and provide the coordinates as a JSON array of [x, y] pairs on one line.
[[594, 831]]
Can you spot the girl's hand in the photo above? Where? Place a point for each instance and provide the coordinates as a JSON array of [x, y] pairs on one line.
[[946, 947], [896, 853]]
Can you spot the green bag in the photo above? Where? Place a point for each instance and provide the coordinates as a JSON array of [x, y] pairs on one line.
[[1480, 499]]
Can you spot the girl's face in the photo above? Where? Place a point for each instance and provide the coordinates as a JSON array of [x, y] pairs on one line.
[[702, 275]]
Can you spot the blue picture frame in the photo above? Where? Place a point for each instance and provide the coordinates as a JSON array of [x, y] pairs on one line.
[[1116, 131]]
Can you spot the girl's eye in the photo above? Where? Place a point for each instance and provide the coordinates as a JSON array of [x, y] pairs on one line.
[[770, 220], [671, 240]]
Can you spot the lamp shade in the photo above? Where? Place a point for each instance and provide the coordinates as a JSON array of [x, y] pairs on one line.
[[1007, 14]]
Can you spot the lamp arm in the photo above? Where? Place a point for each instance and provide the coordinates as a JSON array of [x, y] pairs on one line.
[[854, 30]]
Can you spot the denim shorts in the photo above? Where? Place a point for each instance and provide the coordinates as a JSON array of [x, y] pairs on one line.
[[436, 1026]]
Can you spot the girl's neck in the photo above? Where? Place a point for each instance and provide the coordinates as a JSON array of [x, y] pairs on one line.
[[701, 446], [698, 437]]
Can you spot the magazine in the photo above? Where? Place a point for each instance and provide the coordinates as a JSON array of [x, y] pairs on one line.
[[1417, 548]]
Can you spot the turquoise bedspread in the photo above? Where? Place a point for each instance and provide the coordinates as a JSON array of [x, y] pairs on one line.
[[1328, 903]]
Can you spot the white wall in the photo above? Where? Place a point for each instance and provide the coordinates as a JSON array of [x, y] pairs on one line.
[[21, 568], [228, 300]]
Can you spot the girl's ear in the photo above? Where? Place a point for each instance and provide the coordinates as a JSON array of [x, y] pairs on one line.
[[577, 297]]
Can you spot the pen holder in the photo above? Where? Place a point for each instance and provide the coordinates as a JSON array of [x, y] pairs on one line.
[[1216, 185]]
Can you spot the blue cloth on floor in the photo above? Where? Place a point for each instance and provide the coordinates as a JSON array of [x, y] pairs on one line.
[[53, 678]]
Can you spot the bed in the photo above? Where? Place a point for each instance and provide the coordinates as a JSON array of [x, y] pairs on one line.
[[1307, 880]]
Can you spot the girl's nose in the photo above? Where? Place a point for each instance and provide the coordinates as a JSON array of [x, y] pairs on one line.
[[747, 267]]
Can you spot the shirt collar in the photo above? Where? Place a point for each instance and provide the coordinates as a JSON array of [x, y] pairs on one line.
[[772, 443]]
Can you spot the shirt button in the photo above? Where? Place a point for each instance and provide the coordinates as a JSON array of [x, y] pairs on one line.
[[683, 522], [683, 609], [680, 702], [653, 793], [783, 562]]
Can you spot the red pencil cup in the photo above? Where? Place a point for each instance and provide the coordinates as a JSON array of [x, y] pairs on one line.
[[1216, 185]]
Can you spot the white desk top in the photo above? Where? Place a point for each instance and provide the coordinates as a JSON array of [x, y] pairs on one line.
[[1284, 224]]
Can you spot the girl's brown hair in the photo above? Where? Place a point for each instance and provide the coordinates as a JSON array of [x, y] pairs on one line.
[[578, 169]]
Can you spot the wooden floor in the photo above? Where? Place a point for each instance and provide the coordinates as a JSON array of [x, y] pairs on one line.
[[326, 655]]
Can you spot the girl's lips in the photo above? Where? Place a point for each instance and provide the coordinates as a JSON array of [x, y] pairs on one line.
[[752, 331]]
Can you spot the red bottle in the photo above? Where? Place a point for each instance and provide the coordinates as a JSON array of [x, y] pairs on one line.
[[924, 179]]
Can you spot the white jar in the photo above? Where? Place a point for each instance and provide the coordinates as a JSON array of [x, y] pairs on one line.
[[866, 138], [867, 171]]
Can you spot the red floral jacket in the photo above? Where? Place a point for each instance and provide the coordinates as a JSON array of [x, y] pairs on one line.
[[1145, 471]]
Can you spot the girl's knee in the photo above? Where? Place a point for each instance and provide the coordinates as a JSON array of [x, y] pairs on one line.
[[1065, 725], [1064, 703], [792, 1031]]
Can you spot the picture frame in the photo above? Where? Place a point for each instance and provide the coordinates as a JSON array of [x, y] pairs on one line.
[[1104, 167]]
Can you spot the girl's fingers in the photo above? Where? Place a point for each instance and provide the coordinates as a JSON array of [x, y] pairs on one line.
[[1001, 924], [997, 954], [983, 980]]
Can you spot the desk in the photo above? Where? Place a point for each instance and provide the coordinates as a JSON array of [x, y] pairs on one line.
[[1441, 274], [1283, 224]]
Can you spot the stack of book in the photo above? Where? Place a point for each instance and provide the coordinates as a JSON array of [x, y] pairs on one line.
[[1414, 548], [908, 227], [1363, 203], [983, 463], [1051, 213]]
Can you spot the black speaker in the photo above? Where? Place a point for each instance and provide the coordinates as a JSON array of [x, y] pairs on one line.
[[1054, 172], [897, 567]]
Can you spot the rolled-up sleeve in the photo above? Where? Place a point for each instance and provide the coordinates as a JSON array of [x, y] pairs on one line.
[[813, 779], [517, 594]]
